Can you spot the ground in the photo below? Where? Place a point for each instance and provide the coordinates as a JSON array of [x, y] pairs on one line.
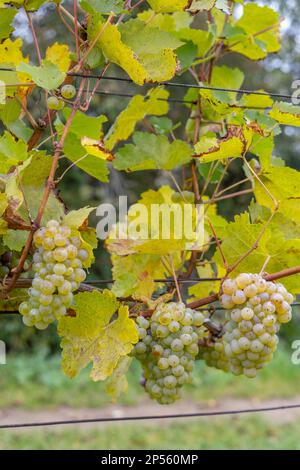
[[33, 389]]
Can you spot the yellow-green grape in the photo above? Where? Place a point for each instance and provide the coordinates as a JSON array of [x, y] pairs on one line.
[[58, 267], [167, 349], [256, 309], [68, 92], [55, 103]]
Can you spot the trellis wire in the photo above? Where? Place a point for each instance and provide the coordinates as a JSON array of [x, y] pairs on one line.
[[173, 84], [149, 417], [186, 85]]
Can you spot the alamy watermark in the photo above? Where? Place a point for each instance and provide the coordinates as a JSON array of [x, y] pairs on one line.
[[296, 354], [2, 92], [143, 222], [2, 353]]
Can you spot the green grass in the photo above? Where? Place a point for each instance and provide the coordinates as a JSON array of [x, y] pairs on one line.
[[36, 382], [216, 433]]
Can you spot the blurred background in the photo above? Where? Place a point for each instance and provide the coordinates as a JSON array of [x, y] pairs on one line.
[[32, 386]]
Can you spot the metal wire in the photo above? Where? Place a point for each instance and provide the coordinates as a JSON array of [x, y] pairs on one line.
[[173, 84], [153, 417]]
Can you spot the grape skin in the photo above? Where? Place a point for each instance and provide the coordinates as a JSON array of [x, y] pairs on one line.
[[169, 349], [57, 264], [256, 309]]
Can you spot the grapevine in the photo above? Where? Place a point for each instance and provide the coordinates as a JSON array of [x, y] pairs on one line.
[[52, 96]]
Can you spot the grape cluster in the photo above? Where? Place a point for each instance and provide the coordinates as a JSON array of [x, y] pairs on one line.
[[167, 349], [58, 265], [256, 309]]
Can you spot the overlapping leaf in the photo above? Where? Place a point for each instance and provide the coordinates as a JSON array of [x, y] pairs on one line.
[[143, 67], [256, 33], [150, 152], [101, 333], [154, 103]]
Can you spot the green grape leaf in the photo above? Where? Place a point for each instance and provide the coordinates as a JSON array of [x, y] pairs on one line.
[[286, 113], [202, 39], [239, 236], [92, 164], [146, 67], [101, 333], [12, 152], [151, 152], [47, 76], [139, 107], [104, 7], [6, 20], [151, 39], [162, 125], [186, 55], [226, 77], [25, 188], [10, 111], [83, 125], [15, 239], [258, 32], [76, 218]]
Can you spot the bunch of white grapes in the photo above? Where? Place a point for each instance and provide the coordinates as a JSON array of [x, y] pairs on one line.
[[167, 349], [58, 266], [256, 309]]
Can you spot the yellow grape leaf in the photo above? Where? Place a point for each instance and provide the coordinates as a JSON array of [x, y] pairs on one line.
[[76, 218], [3, 203], [11, 53], [284, 184], [168, 6], [96, 148], [134, 274], [138, 108], [141, 69], [286, 113], [60, 55], [258, 32], [117, 383], [210, 149], [101, 333]]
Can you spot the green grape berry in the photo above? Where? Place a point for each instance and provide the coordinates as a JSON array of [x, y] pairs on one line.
[[55, 103], [68, 92]]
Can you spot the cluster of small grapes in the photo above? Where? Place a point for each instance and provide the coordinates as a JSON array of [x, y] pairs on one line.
[[256, 309], [56, 102], [58, 265], [167, 349]]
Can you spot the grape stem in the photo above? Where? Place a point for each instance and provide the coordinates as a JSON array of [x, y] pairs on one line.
[[49, 186]]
